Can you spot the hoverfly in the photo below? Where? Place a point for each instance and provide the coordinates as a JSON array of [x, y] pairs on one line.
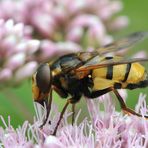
[[90, 74]]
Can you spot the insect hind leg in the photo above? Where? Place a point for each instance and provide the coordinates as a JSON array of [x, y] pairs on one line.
[[123, 106]]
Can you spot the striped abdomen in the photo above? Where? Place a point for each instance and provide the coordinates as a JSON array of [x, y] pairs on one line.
[[129, 76]]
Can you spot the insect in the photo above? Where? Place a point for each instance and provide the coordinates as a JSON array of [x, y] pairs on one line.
[[90, 74]]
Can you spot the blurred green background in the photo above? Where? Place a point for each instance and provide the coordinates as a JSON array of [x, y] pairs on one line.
[[18, 103]]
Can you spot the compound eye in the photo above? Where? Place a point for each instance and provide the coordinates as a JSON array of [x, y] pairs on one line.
[[43, 78]]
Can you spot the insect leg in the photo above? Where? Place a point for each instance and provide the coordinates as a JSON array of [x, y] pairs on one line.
[[48, 107], [73, 113], [61, 116], [60, 91], [95, 94], [76, 98], [124, 107]]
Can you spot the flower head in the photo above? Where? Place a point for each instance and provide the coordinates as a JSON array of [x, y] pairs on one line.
[[106, 128], [16, 48], [64, 20], [9, 137]]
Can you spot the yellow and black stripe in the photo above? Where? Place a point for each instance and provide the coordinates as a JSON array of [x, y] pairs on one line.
[[109, 74], [128, 67], [129, 75]]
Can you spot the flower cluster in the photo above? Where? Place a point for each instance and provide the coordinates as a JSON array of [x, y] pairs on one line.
[[15, 50], [106, 128], [44, 29], [67, 20]]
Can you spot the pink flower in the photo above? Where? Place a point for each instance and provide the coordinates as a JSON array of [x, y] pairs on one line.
[[106, 128], [15, 49], [53, 19], [49, 49], [14, 138]]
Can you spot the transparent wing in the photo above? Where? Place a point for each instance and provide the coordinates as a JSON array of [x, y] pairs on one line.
[[95, 64], [123, 43]]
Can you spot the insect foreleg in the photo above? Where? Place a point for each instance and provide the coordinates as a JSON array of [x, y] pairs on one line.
[[48, 108], [60, 92], [75, 98]]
